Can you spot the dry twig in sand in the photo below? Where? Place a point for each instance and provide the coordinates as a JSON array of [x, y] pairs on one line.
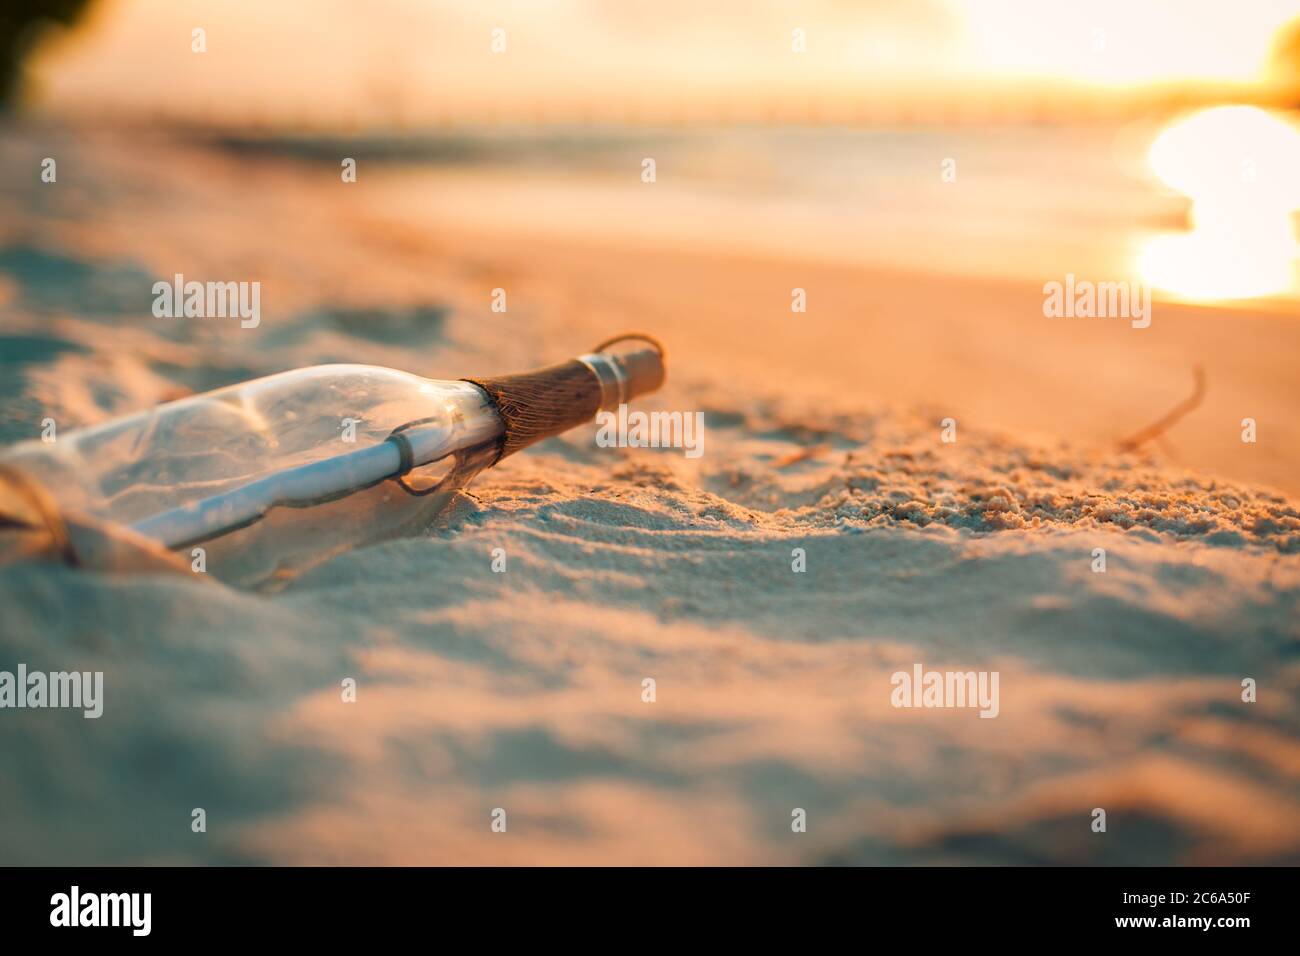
[[1155, 429]]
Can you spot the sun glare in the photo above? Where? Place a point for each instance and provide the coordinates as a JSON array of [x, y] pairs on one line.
[[1237, 164]]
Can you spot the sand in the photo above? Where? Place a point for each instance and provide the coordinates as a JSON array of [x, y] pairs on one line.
[[523, 690]]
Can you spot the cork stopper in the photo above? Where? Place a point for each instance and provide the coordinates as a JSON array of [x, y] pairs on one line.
[[535, 405]]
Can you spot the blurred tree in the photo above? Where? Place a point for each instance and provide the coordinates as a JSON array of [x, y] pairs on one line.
[[21, 24], [1284, 64]]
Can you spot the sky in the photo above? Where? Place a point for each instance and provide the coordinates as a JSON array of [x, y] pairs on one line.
[[412, 61]]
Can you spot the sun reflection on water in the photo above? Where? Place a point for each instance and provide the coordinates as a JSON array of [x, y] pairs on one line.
[[1240, 166]]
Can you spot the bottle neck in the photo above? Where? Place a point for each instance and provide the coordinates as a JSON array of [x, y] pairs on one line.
[[545, 402]]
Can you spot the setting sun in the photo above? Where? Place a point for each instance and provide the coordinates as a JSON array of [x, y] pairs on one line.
[[1238, 166]]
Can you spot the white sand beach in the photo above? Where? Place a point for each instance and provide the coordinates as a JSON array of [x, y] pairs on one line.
[[523, 690]]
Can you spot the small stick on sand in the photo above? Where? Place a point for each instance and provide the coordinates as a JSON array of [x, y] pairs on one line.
[[1155, 429]]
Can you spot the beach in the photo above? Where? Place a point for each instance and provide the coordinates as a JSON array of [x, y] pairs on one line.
[[942, 458]]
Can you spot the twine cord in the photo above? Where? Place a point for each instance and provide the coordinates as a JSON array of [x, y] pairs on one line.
[[45, 508]]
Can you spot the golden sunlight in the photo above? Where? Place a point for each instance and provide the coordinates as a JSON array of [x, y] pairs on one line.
[[1113, 43], [1237, 164]]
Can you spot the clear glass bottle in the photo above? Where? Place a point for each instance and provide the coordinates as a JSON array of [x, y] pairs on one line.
[[272, 475]]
